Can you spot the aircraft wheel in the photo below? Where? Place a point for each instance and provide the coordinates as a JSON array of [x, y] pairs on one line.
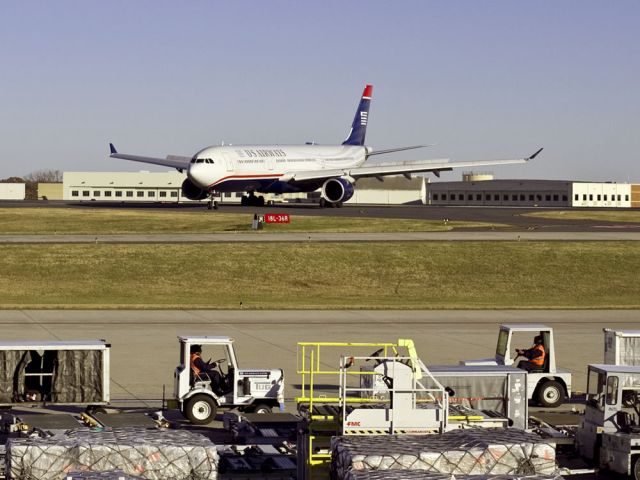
[[243, 200], [338, 204], [322, 203], [216, 205], [260, 201], [550, 394], [200, 409]]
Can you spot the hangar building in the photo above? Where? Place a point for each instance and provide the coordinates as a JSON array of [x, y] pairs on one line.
[[12, 191], [477, 190], [147, 186]]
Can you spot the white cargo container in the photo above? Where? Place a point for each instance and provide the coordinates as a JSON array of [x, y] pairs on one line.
[[12, 191], [69, 373], [621, 347]]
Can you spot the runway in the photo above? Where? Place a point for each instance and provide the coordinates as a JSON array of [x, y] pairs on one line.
[[145, 348]]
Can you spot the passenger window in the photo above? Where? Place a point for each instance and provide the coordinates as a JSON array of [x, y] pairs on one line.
[[612, 390]]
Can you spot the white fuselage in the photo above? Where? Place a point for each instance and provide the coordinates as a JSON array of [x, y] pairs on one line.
[[246, 168]]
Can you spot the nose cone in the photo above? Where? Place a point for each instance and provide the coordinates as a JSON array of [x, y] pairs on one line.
[[198, 174]]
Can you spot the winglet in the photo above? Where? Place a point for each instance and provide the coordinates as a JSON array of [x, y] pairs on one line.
[[535, 154], [112, 148]]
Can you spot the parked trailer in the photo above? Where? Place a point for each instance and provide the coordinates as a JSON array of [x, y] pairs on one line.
[[61, 373], [621, 347]]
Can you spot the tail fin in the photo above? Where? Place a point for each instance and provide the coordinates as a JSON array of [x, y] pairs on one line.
[[359, 125]]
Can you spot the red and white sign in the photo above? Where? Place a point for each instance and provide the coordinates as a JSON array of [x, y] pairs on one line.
[[277, 218]]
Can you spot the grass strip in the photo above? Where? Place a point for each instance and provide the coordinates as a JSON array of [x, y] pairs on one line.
[[332, 276], [630, 216], [100, 221]]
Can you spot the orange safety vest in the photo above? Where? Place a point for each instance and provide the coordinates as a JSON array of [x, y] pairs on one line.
[[539, 361], [195, 369]]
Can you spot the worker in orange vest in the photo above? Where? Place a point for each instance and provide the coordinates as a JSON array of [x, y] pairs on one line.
[[535, 356], [204, 370]]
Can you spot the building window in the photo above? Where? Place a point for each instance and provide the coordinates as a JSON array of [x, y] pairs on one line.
[[96, 193], [174, 194], [107, 193], [591, 197], [626, 198], [547, 197], [118, 193], [555, 197], [584, 196], [565, 198], [151, 194], [487, 197], [469, 197], [435, 197], [75, 193], [539, 197], [514, 198], [478, 197], [163, 194], [505, 197], [496, 198], [444, 196], [522, 197], [461, 197], [129, 193], [85, 193], [140, 193], [576, 197]]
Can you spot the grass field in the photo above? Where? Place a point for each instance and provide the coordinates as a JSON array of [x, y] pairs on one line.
[[605, 216], [359, 275], [118, 221]]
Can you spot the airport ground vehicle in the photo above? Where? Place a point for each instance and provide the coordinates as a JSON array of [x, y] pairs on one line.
[[252, 389], [548, 386], [61, 373], [609, 434]]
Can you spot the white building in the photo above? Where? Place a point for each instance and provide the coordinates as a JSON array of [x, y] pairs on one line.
[[12, 191], [166, 187], [124, 186], [602, 195]]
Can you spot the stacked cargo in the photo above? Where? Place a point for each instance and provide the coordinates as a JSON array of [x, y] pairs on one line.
[[458, 452], [140, 452], [108, 475], [417, 474]]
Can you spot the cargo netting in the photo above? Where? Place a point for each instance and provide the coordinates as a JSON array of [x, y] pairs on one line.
[[107, 475], [458, 452], [150, 454], [415, 474]]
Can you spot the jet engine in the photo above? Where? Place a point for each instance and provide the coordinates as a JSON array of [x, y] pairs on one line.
[[192, 191], [337, 190]]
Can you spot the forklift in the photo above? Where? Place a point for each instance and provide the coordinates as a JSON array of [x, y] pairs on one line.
[[199, 396]]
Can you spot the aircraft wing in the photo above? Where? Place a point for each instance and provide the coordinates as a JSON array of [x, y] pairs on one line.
[[405, 168], [173, 161]]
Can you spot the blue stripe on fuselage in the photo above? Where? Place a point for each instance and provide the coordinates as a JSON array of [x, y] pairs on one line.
[[263, 185]]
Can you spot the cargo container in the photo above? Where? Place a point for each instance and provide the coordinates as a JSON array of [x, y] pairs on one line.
[[44, 372], [621, 347]]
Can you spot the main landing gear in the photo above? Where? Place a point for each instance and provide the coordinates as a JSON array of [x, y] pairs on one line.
[[252, 201], [325, 204]]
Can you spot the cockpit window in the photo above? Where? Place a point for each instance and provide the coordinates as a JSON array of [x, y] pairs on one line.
[[201, 160]]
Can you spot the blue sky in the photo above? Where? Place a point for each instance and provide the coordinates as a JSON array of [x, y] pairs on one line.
[[481, 79]]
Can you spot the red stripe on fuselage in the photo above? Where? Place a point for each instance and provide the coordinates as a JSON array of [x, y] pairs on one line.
[[273, 175]]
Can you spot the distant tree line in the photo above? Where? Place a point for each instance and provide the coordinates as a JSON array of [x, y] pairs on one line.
[[32, 179]]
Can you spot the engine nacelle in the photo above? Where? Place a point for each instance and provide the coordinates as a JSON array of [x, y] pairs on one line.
[[337, 190], [192, 191]]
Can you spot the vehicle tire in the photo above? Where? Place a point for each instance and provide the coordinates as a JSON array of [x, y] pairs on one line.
[[200, 409], [262, 408], [635, 468], [93, 409], [550, 394]]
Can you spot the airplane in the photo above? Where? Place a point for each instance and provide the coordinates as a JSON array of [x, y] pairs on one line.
[[334, 169]]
